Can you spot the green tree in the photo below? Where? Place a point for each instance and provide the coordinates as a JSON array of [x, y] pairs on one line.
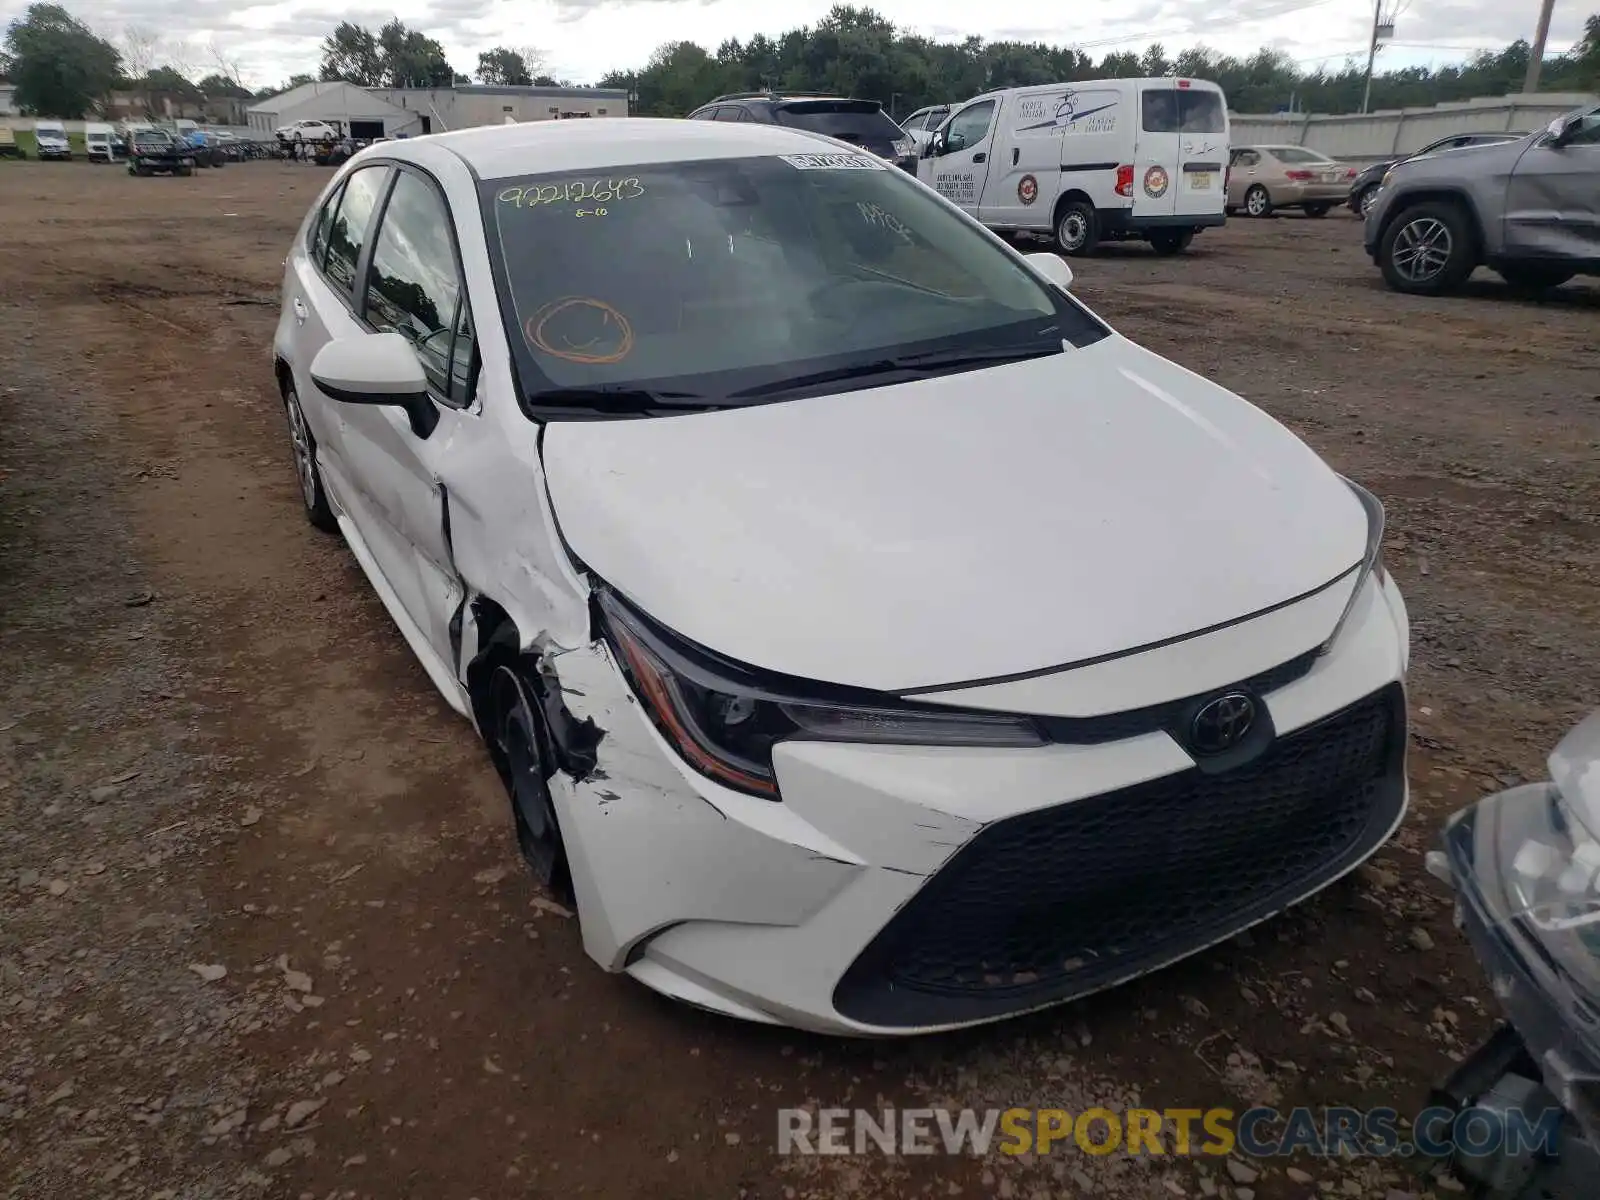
[[503, 65], [59, 66], [412, 59], [351, 53]]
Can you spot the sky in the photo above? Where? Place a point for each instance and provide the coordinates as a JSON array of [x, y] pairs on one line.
[[582, 39]]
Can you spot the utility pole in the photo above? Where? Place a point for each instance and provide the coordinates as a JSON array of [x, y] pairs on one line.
[[1536, 55], [1372, 53]]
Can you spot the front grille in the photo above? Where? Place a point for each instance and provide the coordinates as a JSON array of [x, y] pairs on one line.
[[1063, 901]]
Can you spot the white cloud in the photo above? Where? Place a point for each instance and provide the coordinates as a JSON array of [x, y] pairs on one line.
[[582, 39]]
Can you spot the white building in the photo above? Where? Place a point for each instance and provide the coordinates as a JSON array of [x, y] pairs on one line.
[[390, 112]]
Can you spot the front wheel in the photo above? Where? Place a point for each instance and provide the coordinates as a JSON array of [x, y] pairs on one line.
[[1258, 202], [1168, 242], [1534, 277], [1077, 229], [1427, 250], [519, 752], [1317, 210], [1365, 201]]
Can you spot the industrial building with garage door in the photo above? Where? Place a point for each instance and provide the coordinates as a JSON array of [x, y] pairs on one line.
[[411, 112]]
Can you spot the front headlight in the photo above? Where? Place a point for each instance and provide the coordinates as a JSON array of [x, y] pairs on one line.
[[1387, 176], [724, 719], [1371, 558]]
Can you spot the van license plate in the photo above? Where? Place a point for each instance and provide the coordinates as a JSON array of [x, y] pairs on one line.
[[1199, 181]]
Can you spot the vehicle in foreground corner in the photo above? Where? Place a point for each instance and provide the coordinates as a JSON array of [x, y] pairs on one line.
[[1529, 209], [1525, 866], [1088, 162], [864, 631], [1364, 187], [1265, 178]]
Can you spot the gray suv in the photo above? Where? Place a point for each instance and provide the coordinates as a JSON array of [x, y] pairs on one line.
[[1530, 209]]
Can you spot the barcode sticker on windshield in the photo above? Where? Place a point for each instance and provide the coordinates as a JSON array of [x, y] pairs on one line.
[[834, 162]]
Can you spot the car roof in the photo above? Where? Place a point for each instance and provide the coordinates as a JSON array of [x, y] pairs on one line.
[[543, 147]]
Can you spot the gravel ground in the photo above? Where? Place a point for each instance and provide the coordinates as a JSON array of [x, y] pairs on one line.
[[262, 927]]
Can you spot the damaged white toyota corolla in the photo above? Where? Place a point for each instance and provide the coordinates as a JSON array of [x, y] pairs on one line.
[[870, 639]]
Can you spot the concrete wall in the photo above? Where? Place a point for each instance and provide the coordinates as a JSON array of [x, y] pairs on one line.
[[1380, 135]]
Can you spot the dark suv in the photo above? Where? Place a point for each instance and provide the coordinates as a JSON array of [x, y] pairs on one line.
[[860, 122]]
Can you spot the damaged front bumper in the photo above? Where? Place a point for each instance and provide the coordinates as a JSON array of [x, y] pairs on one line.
[[905, 889]]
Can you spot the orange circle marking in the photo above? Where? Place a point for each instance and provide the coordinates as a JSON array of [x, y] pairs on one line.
[[612, 322]]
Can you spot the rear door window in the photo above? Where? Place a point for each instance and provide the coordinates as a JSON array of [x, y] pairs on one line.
[[1182, 110], [861, 122], [351, 225]]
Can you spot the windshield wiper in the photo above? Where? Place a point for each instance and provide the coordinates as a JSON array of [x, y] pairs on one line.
[[623, 399], [940, 360]]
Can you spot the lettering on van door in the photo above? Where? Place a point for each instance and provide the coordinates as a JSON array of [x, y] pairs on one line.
[[1071, 112], [958, 187]]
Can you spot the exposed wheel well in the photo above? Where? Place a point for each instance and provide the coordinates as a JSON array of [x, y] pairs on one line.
[[1436, 196], [284, 374], [1063, 200]]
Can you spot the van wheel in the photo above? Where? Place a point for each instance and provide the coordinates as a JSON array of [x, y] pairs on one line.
[[1168, 242], [1428, 249], [1258, 202], [1077, 229]]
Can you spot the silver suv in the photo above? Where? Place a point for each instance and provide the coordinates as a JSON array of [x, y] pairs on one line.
[[1530, 209]]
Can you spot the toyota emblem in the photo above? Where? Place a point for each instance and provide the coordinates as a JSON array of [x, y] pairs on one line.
[[1221, 724]]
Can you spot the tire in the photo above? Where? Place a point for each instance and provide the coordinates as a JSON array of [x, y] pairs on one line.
[[303, 445], [1317, 210], [519, 748], [1534, 277], [1077, 229], [1364, 202], [1428, 249], [1258, 202], [1168, 242], [183, 171]]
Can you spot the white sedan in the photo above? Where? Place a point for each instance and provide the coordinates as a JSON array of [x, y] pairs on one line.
[[869, 637]]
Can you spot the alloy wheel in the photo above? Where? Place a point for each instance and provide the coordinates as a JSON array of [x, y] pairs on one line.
[[1368, 199], [1256, 202], [305, 464], [1422, 249]]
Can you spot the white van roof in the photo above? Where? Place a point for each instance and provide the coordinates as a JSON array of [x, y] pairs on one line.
[[1149, 83]]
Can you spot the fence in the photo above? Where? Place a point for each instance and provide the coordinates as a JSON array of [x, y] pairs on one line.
[[1393, 132]]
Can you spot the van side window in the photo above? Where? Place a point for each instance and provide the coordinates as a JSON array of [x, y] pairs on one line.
[[970, 126]]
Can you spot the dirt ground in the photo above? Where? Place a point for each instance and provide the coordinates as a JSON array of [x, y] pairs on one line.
[[263, 930]]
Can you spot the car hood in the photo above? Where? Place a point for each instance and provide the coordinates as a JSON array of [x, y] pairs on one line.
[[1465, 159], [974, 525]]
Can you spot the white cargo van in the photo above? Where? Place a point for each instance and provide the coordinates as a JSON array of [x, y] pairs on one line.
[[98, 139], [1087, 162]]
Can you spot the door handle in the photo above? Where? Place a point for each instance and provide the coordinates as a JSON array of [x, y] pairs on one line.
[[1016, 155], [299, 308], [980, 156]]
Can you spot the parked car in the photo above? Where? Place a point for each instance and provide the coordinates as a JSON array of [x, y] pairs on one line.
[[307, 131], [1090, 161], [1364, 187], [1262, 179], [155, 151], [920, 125], [99, 142], [862, 123], [8, 143], [1529, 209], [51, 138], [867, 635]]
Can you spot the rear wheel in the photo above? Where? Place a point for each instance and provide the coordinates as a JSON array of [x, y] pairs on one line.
[[304, 447], [1534, 277], [1258, 202], [1168, 242], [1428, 249], [518, 747], [1317, 210], [1077, 229]]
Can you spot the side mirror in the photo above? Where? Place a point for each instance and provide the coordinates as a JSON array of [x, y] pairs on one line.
[[376, 368], [1052, 266], [1561, 129]]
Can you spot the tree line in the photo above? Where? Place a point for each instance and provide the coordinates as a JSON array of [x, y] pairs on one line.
[[62, 68]]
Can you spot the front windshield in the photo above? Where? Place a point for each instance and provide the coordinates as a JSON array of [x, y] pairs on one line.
[[709, 280]]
